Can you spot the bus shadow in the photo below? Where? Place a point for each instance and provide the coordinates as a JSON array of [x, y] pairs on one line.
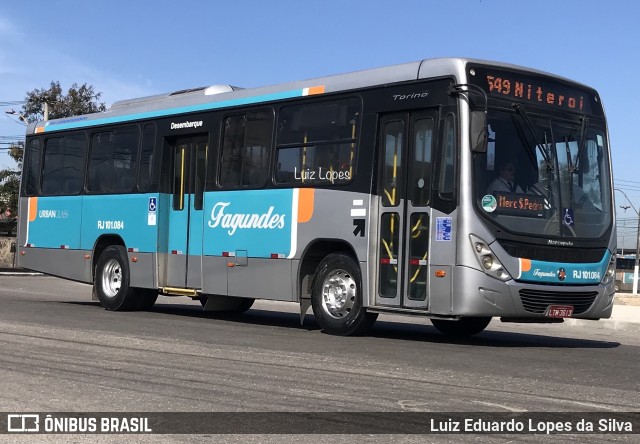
[[420, 331], [488, 338]]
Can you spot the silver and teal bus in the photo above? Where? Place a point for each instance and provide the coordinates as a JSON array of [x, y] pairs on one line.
[[459, 190]]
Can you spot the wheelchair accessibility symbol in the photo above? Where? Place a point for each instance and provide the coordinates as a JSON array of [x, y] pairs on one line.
[[153, 208], [567, 217]]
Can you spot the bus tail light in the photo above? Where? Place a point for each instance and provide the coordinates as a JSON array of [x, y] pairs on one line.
[[488, 261]]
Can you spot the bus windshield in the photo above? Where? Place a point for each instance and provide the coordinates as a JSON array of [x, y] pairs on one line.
[[544, 176]]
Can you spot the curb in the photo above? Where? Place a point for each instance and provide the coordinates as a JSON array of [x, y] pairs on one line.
[[8, 271], [604, 324], [20, 273]]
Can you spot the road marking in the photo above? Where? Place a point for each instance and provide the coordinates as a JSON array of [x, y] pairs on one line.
[[589, 404], [506, 407], [415, 406]]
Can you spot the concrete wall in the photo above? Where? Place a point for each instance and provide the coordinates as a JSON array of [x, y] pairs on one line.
[[6, 257]]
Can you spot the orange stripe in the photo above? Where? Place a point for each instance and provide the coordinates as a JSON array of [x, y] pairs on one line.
[[525, 265], [33, 208], [40, 129], [306, 197], [316, 90]]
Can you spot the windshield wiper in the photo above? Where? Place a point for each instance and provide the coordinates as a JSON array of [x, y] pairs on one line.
[[582, 143], [545, 155]]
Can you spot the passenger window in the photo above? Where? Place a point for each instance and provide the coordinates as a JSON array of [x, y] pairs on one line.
[[312, 164], [63, 167], [317, 142], [32, 170], [112, 161], [145, 174], [246, 146]]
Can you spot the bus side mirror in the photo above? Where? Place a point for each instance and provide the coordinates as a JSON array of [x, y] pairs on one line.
[[478, 131]]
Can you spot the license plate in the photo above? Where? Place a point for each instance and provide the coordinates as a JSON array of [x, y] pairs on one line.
[[560, 311]]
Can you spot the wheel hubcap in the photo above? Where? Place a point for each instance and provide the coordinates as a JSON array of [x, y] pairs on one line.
[[111, 278], [338, 294]]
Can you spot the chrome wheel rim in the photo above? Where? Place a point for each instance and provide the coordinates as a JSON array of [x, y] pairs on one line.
[[338, 294], [111, 278]]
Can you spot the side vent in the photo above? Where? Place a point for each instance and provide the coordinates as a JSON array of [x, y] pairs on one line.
[[187, 91]]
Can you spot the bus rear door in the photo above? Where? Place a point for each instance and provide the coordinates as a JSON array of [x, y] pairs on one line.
[[185, 224]]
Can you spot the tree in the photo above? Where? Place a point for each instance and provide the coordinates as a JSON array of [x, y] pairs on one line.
[[10, 181], [78, 100]]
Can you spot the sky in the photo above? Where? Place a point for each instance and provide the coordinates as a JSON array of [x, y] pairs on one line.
[[135, 48]]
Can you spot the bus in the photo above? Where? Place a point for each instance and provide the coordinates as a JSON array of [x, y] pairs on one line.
[[625, 267], [455, 189]]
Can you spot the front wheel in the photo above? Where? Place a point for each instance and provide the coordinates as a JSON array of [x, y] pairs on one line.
[[461, 328], [111, 283], [336, 297]]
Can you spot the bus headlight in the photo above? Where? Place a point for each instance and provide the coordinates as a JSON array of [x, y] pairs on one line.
[[610, 273], [488, 261]]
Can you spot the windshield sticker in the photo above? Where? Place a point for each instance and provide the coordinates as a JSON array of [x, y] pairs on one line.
[[443, 228], [517, 204], [567, 217], [489, 203]]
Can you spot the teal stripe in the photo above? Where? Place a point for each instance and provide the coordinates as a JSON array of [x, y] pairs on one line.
[[53, 126]]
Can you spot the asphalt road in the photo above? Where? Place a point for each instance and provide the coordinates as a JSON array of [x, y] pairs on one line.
[[63, 352]]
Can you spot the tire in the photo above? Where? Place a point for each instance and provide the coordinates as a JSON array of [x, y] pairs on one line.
[[336, 297], [111, 282], [146, 298], [465, 327]]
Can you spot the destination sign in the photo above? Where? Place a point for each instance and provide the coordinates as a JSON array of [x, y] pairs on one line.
[[535, 89]]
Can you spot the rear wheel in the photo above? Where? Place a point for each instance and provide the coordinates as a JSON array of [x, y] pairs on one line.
[[111, 283], [336, 297], [461, 328]]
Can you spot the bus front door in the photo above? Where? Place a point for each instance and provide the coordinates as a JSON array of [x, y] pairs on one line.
[[184, 232], [407, 142]]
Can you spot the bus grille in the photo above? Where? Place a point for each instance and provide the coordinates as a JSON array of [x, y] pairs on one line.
[[537, 301], [553, 254]]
